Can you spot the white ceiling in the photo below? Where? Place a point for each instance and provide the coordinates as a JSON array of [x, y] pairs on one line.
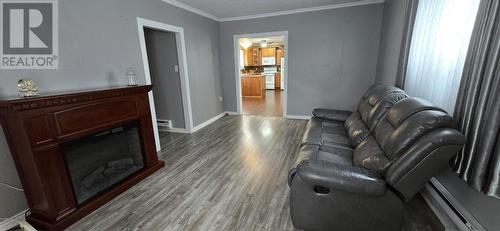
[[225, 10]]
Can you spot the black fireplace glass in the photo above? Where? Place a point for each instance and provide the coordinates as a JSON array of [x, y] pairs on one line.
[[98, 162]]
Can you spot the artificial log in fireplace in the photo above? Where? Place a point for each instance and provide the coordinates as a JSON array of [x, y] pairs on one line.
[[76, 151]]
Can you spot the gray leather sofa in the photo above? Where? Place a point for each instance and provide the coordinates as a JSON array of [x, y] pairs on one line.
[[356, 170]]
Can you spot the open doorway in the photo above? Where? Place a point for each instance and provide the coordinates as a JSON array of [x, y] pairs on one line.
[[261, 73], [165, 77], [165, 66]]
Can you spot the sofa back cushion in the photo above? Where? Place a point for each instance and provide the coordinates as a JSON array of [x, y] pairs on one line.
[[363, 102], [371, 109], [382, 107], [356, 129], [406, 122], [369, 155], [377, 100]]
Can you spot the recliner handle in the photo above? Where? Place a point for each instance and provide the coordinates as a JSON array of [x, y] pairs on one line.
[[340, 177]]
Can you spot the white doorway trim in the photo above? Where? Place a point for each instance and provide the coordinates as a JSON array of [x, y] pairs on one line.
[[183, 71], [236, 38]]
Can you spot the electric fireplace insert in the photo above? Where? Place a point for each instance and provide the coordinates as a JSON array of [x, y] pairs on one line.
[[95, 163]]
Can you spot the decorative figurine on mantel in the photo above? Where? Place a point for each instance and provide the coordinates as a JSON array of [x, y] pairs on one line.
[[27, 88]]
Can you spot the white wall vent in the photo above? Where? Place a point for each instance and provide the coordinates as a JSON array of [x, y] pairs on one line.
[[165, 124]]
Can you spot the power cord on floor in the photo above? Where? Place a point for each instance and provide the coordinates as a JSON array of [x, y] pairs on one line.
[[12, 187]]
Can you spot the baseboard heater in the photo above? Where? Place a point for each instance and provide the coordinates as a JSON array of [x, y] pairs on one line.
[[449, 211], [164, 124]]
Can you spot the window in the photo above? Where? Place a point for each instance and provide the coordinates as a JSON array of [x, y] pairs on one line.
[[439, 44]]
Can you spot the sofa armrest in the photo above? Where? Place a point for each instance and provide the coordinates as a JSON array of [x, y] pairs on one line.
[[331, 114], [423, 160], [340, 177]]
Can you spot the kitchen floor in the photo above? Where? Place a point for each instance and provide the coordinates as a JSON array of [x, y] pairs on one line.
[[269, 106]]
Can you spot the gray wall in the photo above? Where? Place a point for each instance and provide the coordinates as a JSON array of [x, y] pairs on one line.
[[11, 201], [162, 55], [332, 55], [98, 41], [390, 41]]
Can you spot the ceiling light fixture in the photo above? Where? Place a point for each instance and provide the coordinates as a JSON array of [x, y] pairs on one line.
[[245, 43]]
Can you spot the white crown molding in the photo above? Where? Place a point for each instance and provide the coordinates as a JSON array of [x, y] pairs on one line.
[[192, 9], [271, 14], [303, 10]]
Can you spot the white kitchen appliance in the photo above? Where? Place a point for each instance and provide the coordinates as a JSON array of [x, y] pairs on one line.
[[269, 74], [268, 61]]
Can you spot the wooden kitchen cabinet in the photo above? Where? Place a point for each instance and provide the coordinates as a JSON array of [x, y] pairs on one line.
[[269, 52], [253, 86], [252, 56], [277, 81], [248, 56], [256, 56]]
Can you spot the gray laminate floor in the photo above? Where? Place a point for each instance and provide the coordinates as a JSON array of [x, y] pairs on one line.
[[230, 175]]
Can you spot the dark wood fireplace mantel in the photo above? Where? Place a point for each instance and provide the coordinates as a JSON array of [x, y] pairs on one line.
[[37, 127]]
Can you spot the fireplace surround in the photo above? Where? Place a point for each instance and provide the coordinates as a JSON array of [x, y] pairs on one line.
[[75, 151]]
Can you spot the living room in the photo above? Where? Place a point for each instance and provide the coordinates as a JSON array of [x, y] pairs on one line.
[[389, 120]]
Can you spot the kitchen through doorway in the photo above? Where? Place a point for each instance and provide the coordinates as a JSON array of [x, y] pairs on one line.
[[261, 75]]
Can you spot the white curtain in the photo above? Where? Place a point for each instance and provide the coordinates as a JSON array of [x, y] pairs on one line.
[[439, 43]]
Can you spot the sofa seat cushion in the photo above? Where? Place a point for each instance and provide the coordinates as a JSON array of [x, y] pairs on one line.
[[334, 134], [369, 155], [356, 129], [331, 125], [339, 155], [312, 133], [335, 140], [331, 114], [306, 151], [325, 132]]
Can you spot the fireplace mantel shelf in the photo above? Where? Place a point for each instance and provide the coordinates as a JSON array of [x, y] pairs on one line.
[[68, 97], [37, 128]]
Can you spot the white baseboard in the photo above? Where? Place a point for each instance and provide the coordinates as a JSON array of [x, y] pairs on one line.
[[12, 221], [209, 121], [232, 113], [175, 130], [298, 117]]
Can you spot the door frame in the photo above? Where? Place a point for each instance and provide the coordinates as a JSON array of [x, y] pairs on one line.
[[183, 72], [236, 38]]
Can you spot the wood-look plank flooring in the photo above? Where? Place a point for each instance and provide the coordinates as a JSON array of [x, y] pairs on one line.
[[231, 175], [270, 105]]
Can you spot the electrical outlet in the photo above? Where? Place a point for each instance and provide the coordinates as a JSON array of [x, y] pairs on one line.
[[220, 98], [176, 68]]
